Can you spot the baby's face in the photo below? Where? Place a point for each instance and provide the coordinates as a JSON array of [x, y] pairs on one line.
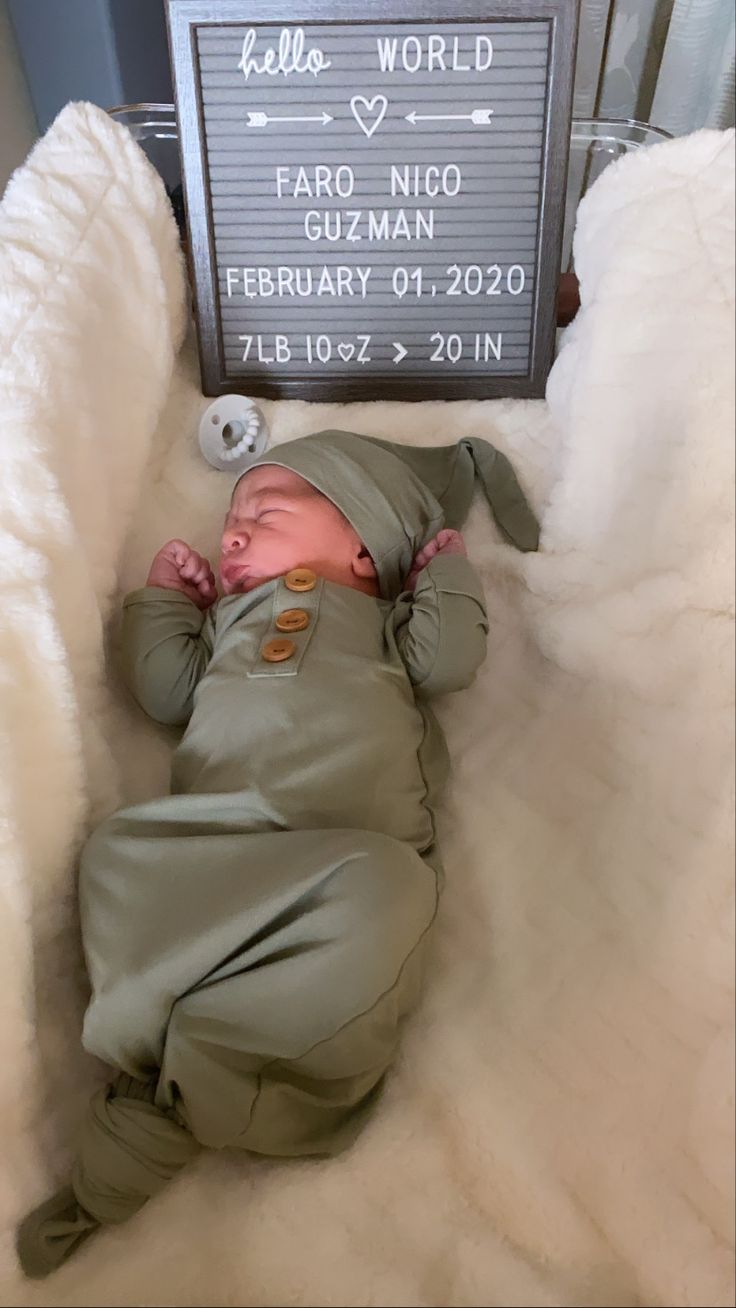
[[278, 521]]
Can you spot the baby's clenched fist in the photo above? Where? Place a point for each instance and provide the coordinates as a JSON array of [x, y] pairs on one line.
[[178, 567], [445, 542]]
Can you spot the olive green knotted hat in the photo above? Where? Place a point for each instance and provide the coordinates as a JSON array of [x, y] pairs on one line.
[[397, 497]]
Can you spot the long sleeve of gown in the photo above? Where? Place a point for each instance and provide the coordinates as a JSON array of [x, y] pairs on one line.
[[441, 635], [165, 647]]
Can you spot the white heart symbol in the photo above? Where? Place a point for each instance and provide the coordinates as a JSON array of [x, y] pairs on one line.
[[370, 106], [345, 351]]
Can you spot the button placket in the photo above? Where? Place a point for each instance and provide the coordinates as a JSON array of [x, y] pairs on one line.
[[284, 643]]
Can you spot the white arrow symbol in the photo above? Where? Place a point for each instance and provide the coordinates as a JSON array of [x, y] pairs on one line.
[[400, 351], [259, 119], [480, 117]]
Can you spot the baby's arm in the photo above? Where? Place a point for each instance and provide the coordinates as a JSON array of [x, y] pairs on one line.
[[443, 637], [167, 635]]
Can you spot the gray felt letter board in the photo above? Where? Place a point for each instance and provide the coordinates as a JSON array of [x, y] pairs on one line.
[[375, 193]]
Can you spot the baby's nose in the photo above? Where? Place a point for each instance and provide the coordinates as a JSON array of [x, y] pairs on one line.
[[234, 538]]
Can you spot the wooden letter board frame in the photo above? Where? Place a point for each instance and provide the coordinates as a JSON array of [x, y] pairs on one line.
[[185, 17]]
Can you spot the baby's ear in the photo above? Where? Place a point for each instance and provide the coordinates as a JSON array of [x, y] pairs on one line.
[[363, 565]]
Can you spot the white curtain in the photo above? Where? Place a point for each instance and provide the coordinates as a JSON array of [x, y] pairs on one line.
[[695, 87], [666, 62]]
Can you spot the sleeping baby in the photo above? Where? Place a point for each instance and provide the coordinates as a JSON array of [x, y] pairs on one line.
[[256, 938]]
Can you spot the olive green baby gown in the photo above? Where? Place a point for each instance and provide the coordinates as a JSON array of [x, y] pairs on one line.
[[255, 938]]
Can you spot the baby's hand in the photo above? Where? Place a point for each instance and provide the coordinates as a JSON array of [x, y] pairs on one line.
[[445, 542], [178, 567]]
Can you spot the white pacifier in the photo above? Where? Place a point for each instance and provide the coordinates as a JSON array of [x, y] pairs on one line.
[[232, 433]]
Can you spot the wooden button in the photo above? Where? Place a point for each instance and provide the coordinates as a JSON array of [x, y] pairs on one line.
[[292, 620], [275, 651], [300, 579]]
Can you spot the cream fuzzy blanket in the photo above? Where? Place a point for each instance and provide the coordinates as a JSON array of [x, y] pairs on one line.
[[559, 1128]]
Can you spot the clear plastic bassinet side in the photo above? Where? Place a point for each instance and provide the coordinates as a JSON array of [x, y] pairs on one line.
[[594, 144], [155, 129]]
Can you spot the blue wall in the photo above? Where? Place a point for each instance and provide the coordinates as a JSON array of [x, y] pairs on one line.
[[108, 51]]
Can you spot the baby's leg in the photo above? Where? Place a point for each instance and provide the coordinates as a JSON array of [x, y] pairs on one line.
[[281, 1049], [294, 956]]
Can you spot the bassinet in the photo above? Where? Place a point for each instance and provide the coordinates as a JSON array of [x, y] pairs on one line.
[[558, 1130]]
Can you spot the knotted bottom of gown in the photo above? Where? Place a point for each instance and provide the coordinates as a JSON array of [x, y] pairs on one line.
[[128, 1152]]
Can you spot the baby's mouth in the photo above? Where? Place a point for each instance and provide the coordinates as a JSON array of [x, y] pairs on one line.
[[233, 574]]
